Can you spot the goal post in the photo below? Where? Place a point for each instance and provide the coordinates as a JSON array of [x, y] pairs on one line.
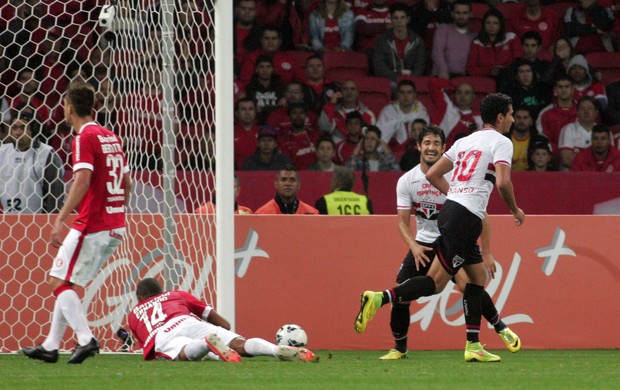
[[153, 65]]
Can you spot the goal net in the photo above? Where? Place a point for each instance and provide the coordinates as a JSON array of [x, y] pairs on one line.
[[152, 64]]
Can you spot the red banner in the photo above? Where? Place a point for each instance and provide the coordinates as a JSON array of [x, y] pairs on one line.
[[555, 286]]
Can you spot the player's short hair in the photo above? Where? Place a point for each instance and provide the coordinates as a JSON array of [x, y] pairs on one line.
[[343, 179], [81, 96], [601, 129], [492, 105], [148, 287], [532, 34], [399, 7], [406, 82], [287, 167], [434, 130], [354, 115]]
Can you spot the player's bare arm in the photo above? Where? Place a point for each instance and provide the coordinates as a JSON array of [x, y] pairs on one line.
[[127, 179], [435, 174], [506, 190], [216, 319], [81, 183], [485, 246], [404, 226]]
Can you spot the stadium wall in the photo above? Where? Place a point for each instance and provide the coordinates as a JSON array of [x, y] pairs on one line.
[[556, 284]]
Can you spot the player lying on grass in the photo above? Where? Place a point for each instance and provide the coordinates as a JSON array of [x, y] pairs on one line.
[[176, 325], [414, 190]]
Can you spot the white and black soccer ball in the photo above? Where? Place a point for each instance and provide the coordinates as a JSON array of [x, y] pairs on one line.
[[291, 335]]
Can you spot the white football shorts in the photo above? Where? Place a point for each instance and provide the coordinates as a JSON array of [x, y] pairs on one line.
[[179, 331], [81, 256]]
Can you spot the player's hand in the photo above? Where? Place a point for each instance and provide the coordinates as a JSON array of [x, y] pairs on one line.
[[56, 235], [519, 217], [489, 263], [419, 256]]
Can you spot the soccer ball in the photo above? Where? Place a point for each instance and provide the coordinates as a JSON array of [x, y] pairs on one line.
[[291, 335]]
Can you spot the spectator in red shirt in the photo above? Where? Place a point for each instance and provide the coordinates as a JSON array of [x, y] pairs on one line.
[[370, 22], [331, 26], [534, 17], [285, 65], [285, 16], [558, 114], [494, 49], [354, 123], [279, 119], [299, 143], [601, 156], [584, 82], [247, 32], [246, 130], [334, 114]]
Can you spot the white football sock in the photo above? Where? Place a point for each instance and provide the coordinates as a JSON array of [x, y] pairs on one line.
[[71, 308], [57, 329], [260, 347], [196, 349]]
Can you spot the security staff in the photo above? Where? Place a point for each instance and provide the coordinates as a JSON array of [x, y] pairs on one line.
[[343, 201]]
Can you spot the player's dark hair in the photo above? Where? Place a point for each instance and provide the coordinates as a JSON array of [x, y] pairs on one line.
[[148, 287], [405, 82], [601, 129], [325, 138], [354, 115], [81, 96], [532, 34], [501, 34], [399, 7], [434, 130], [461, 2], [492, 105]]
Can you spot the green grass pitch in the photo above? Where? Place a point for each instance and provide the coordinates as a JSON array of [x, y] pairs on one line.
[[536, 369]]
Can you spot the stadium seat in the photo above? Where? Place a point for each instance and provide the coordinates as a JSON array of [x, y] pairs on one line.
[[607, 63], [375, 92], [509, 10], [560, 8], [482, 85], [477, 12], [344, 66], [300, 55], [422, 86]]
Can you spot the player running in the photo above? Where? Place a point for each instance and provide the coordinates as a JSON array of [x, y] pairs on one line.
[[480, 161], [176, 325], [413, 189]]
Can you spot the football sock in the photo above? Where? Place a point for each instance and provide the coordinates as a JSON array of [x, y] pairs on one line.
[[259, 347], [399, 323], [196, 349], [57, 329], [489, 312], [72, 311], [413, 288], [472, 306]]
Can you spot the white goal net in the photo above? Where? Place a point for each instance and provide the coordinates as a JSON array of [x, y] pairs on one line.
[[152, 64]]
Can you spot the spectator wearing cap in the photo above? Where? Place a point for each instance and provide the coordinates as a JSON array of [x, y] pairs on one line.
[[540, 157], [601, 156], [285, 65], [299, 143], [265, 88], [31, 173], [266, 157], [285, 201]]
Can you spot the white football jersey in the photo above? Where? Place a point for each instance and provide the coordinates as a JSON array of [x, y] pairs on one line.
[[414, 191], [21, 178], [473, 176]]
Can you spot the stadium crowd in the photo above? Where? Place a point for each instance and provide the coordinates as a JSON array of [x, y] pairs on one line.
[[320, 80]]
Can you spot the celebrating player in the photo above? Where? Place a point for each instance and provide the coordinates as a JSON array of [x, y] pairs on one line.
[[101, 186], [414, 190], [480, 160], [176, 325]]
